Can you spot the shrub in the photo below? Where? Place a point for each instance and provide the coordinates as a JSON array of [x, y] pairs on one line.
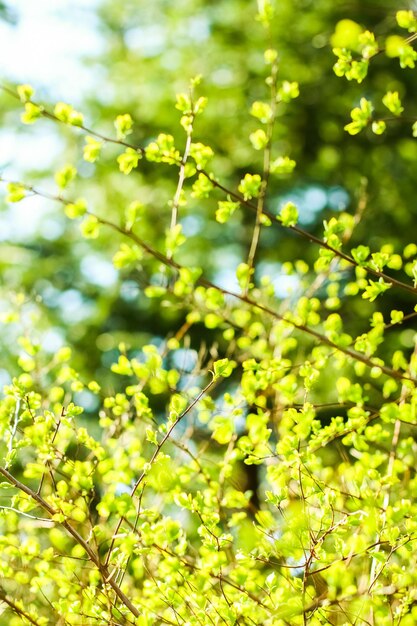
[[257, 465]]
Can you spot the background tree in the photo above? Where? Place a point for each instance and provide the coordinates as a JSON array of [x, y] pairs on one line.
[[186, 440]]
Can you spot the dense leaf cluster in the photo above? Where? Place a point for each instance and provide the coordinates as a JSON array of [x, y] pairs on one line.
[[216, 448]]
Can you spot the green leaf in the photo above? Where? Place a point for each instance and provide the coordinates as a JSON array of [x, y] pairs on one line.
[[266, 11], [282, 165], [177, 405], [250, 186], [244, 274], [225, 210], [201, 154], [200, 105], [407, 56], [92, 149], [127, 255], [184, 500], [223, 368], [393, 103], [151, 436], [67, 114], [288, 214], [360, 254], [346, 35], [123, 124], [361, 116], [122, 367], [183, 103], [259, 139], [270, 56], [379, 127], [76, 209], [90, 227], [128, 160], [133, 214], [288, 91], [375, 289], [163, 150], [407, 19], [222, 428], [202, 187], [262, 111], [188, 276], [174, 238], [32, 113], [155, 291], [368, 46], [15, 192], [396, 316], [64, 176], [25, 92], [394, 44]]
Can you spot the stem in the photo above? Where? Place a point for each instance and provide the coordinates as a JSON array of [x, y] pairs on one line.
[[299, 231], [310, 237], [54, 118], [13, 431], [154, 456], [374, 575], [107, 578], [16, 609], [168, 433], [361, 206], [181, 178], [369, 362], [266, 166]]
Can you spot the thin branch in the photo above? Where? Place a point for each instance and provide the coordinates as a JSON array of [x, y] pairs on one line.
[[309, 236], [16, 609], [296, 229], [265, 176], [47, 114], [373, 574], [38, 519], [155, 454], [75, 534], [369, 362], [181, 176], [13, 431]]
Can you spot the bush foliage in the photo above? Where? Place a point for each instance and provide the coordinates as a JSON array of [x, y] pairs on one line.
[[215, 447]]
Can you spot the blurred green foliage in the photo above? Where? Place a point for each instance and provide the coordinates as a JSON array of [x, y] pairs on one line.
[[219, 210]]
